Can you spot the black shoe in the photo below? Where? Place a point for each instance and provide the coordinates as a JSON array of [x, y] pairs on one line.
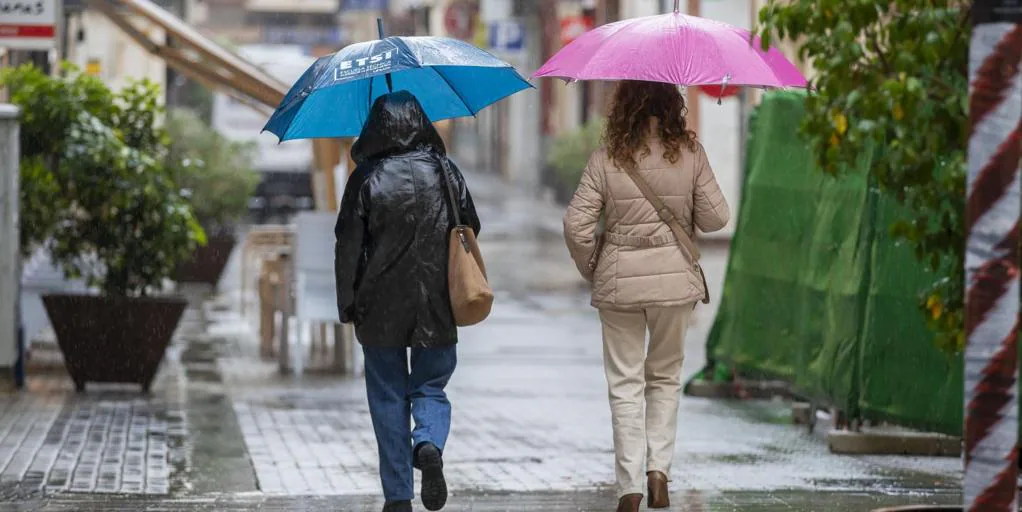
[[398, 506], [434, 487]]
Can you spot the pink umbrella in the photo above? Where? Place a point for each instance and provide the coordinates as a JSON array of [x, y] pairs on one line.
[[673, 48]]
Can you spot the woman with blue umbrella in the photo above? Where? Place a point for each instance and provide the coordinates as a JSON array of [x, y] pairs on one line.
[[398, 209], [450, 78]]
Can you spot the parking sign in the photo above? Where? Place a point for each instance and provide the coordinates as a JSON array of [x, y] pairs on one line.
[[365, 5], [507, 36]]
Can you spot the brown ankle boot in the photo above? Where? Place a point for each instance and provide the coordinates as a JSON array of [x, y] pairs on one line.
[[659, 497], [629, 503]]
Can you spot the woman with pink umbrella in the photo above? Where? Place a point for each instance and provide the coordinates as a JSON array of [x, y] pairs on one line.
[[653, 184]]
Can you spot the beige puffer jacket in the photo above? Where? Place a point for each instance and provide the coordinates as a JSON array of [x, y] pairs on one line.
[[641, 265]]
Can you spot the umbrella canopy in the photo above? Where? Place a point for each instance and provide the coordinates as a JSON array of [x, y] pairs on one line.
[[450, 78], [673, 48]]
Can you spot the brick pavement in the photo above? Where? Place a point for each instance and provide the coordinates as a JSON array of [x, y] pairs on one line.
[[27, 450], [106, 441], [112, 439]]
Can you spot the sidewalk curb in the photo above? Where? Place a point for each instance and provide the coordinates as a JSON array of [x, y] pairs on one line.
[[921, 508], [845, 442], [739, 390]]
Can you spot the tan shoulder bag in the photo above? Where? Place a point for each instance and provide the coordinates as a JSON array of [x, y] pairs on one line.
[[688, 247], [471, 295]]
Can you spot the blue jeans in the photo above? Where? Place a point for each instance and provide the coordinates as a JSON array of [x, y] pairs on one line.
[[396, 395]]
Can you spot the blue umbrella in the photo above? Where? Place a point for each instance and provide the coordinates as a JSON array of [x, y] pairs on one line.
[[450, 78]]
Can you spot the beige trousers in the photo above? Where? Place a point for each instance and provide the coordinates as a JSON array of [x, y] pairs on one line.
[[645, 386]]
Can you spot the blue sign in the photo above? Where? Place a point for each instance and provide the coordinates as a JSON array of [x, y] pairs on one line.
[[303, 36], [507, 36], [365, 5]]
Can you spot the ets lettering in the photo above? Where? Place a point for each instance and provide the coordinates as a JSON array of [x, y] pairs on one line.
[[347, 68]]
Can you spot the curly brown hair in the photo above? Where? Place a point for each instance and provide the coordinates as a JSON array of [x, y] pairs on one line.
[[635, 103]]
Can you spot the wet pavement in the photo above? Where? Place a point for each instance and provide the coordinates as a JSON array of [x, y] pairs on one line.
[[691, 501], [531, 430], [511, 432]]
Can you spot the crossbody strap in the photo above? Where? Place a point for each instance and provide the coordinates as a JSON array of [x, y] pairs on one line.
[[445, 172], [445, 169], [666, 215]]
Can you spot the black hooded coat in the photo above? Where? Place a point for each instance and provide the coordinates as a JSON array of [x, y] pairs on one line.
[[392, 231]]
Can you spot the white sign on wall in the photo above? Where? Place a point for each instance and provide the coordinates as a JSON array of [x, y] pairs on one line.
[[29, 24]]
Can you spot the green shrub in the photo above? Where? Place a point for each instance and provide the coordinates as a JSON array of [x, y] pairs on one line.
[[570, 152], [95, 187], [215, 172]]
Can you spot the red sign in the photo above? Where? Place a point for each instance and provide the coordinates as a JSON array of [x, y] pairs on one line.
[[574, 26], [715, 91], [460, 19], [26, 30]]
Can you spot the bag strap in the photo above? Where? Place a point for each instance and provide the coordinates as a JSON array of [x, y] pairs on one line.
[[453, 200], [684, 241], [445, 169]]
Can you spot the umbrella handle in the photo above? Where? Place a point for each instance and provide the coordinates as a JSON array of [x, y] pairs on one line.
[[379, 28]]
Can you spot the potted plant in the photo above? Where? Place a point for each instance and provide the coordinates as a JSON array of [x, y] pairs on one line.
[[568, 157], [98, 196], [217, 175]]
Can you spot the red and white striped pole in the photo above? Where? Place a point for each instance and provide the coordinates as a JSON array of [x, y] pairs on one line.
[[991, 259]]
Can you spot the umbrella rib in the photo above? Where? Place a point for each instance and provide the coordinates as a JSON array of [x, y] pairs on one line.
[[370, 106], [456, 92], [677, 20], [761, 57]]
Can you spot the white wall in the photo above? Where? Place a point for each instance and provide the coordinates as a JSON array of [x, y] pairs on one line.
[[636, 8], [436, 18], [120, 58], [720, 126]]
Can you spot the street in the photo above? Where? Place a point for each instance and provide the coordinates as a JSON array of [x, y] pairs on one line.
[[531, 430]]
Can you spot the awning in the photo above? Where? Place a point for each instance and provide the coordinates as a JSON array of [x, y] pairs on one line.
[[327, 7], [196, 57], [192, 54]]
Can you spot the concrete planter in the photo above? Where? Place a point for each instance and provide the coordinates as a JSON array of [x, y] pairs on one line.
[[113, 339]]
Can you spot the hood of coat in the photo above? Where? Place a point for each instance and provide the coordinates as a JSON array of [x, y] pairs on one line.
[[397, 124]]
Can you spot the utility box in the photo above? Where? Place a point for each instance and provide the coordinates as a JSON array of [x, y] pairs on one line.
[[10, 264]]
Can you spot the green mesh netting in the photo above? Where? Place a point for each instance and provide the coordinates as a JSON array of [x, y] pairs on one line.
[[818, 294]]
